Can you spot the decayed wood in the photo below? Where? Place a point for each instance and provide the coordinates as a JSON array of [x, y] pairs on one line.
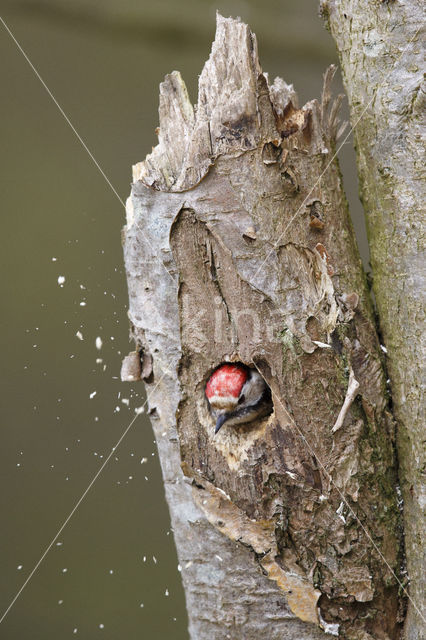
[[382, 56], [239, 247]]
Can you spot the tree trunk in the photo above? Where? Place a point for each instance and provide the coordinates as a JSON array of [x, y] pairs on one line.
[[382, 60], [239, 247]]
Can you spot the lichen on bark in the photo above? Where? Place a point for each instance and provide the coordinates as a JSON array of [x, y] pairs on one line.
[[239, 247], [382, 59]]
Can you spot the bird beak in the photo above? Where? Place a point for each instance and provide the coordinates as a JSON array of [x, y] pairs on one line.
[[221, 419]]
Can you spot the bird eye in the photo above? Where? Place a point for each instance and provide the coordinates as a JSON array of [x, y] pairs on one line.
[[241, 398]]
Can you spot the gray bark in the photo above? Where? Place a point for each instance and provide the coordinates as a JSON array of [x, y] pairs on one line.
[[239, 247], [382, 58]]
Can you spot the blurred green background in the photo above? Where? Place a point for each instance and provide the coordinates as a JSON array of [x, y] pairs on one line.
[[113, 573]]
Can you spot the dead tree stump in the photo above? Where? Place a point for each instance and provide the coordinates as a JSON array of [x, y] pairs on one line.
[[239, 248]]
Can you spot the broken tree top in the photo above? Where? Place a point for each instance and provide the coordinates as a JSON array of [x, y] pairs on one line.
[[236, 110]]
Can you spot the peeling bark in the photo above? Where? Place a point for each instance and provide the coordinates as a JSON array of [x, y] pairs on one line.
[[382, 56], [239, 247]]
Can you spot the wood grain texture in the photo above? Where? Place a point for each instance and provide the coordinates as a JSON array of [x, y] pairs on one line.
[[381, 47], [224, 264]]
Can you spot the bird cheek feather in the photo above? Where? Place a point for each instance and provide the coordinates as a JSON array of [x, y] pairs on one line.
[[223, 403]]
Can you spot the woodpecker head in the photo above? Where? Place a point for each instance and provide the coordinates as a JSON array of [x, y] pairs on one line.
[[237, 394]]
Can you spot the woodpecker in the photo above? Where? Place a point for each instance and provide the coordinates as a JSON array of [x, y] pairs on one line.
[[236, 395]]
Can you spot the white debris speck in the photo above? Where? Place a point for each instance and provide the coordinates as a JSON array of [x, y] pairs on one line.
[[383, 348], [141, 605], [399, 495], [92, 395], [101, 626], [322, 497], [59, 544], [117, 409], [179, 568], [64, 570], [82, 304], [154, 559], [111, 571], [340, 512], [166, 593], [60, 601], [54, 259], [75, 630], [19, 567], [130, 477], [98, 342], [99, 360], [331, 628], [323, 345], [144, 460], [218, 488], [79, 335], [188, 564], [219, 558], [139, 410], [61, 280], [144, 558], [125, 401]]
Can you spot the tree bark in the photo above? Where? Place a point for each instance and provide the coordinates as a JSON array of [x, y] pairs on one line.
[[382, 58], [239, 247]]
